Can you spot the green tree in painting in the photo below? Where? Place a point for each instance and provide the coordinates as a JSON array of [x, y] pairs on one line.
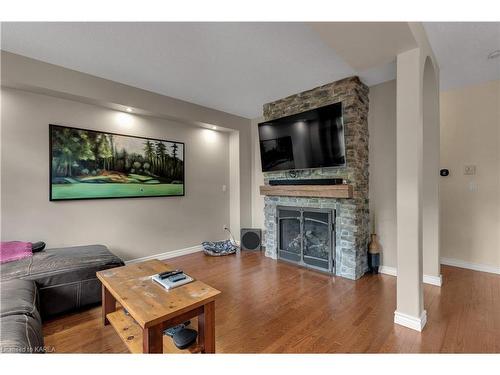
[[104, 151], [174, 156], [174, 150], [85, 151], [113, 151], [160, 155], [71, 146], [126, 159], [149, 152], [63, 149]]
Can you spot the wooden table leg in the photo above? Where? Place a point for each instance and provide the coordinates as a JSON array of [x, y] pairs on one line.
[[152, 339], [206, 328], [108, 304]]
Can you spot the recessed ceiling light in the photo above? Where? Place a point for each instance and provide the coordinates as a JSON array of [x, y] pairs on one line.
[[129, 109], [214, 127], [494, 54]]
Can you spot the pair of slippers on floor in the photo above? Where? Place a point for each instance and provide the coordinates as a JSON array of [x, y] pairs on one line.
[[182, 336]]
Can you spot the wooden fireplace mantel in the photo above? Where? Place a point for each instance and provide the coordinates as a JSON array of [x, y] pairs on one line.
[[317, 191]]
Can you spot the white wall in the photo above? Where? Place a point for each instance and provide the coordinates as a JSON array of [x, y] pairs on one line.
[[470, 205], [131, 228], [382, 159]]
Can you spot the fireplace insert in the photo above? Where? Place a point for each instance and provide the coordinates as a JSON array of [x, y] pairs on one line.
[[306, 237]]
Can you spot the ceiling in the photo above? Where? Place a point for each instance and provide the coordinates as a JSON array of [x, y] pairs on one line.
[[233, 67], [237, 67], [364, 45], [462, 48]]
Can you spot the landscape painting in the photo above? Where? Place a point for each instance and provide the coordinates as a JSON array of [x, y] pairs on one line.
[[88, 164]]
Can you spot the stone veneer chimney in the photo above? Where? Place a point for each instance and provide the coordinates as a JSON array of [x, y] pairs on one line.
[[352, 215]]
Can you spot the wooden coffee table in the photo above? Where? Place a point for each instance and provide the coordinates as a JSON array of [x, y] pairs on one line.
[[152, 309]]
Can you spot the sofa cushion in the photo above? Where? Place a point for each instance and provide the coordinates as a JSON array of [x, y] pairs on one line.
[[55, 266], [20, 334], [19, 297]]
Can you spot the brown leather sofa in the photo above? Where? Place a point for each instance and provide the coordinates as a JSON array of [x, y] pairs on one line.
[[50, 283]]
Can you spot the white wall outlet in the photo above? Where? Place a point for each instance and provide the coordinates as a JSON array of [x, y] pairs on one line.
[[472, 187], [224, 188], [469, 170]]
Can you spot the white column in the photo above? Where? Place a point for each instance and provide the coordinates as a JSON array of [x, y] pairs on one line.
[[410, 307]]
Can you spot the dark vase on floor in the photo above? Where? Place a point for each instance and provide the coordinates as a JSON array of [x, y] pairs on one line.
[[374, 253], [374, 262]]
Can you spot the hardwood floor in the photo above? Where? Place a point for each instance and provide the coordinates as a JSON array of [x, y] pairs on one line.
[[273, 307]]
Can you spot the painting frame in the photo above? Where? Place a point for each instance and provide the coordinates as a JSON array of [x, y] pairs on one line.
[[54, 127]]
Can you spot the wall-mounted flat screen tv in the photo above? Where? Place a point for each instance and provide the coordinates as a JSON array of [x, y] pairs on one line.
[[312, 139], [90, 164]]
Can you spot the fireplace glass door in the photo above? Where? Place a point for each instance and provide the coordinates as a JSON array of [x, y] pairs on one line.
[[305, 237], [317, 239], [290, 241]]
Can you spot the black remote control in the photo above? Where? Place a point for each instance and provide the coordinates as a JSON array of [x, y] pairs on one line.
[[177, 277], [164, 275]]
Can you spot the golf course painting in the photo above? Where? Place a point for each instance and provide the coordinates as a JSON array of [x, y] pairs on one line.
[[88, 164]]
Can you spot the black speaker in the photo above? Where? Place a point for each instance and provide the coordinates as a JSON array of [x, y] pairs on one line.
[[251, 239], [308, 181]]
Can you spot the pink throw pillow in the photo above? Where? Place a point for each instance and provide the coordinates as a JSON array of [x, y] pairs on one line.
[[14, 250]]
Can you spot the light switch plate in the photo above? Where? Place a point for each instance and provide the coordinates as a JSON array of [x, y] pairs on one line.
[[469, 170]]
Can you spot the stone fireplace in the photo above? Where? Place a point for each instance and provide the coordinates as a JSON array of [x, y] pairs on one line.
[[347, 218]]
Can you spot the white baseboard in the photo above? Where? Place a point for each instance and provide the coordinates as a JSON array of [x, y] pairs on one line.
[[427, 279], [433, 280], [168, 254], [470, 266], [391, 271], [413, 322]]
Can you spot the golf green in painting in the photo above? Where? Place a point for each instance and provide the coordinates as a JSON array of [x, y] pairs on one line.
[[87, 164]]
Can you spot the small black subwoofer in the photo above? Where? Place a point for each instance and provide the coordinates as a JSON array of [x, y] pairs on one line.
[[251, 239]]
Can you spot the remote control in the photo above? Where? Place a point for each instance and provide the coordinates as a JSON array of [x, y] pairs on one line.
[[164, 275], [176, 277]]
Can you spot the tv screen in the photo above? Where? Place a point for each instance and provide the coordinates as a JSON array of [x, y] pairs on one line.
[[311, 139]]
